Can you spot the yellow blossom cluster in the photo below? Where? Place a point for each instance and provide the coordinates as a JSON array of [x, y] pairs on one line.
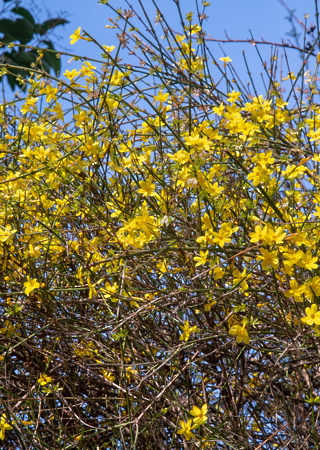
[[159, 249]]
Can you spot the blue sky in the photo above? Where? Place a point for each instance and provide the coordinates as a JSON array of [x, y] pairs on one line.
[[265, 19]]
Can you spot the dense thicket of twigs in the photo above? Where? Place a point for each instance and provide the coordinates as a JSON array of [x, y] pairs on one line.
[[159, 239]]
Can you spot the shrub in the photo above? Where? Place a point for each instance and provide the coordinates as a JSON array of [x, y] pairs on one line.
[[160, 242]]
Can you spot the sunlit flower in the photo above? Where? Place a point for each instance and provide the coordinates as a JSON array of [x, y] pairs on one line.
[[312, 315], [199, 414], [241, 333], [31, 285], [186, 428], [4, 426]]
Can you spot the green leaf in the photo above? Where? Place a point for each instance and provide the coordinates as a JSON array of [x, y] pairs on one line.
[[24, 58], [24, 13], [49, 24], [7, 38], [20, 59], [12, 81], [51, 58], [21, 29]]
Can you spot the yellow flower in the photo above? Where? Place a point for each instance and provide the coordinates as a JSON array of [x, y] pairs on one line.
[[268, 258], [9, 329], [29, 105], [92, 291], [240, 278], [186, 429], [208, 221], [313, 287], [108, 48], [116, 78], [274, 236], [295, 290], [4, 426], [161, 97], [208, 306], [187, 330], [292, 257], [225, 60], [108, 375], [293, 171], [130, 371], [199, 414], [44, 379], [58, 110], [258, 234], [87, 69], [196, 141], [290, 76], [263, 159], [6, 232], [110, 291], [180, 38], [308, 261], [147, 188], [27, 422], [218, 273], [50, 92], [71, 75], [259, 175], [195, 29], [202, 259], [182, 156], [223, 235], [213, 189], [241, 333], [76, 36], [313, 316], [31, 285], [218, 109], [233, 96]]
